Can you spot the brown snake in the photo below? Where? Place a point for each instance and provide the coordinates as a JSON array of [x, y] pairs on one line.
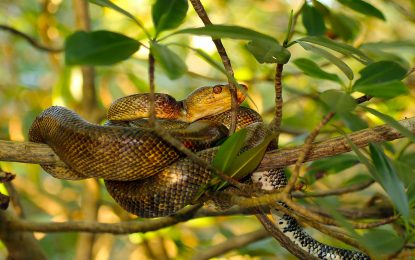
[[146, 175], [142, 172]]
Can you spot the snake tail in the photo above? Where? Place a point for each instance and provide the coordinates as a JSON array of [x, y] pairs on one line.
[[276, 179]]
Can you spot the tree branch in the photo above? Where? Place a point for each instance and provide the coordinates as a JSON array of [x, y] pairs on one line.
[[29, 39], [28, 152], [20, 245], [231, 244]]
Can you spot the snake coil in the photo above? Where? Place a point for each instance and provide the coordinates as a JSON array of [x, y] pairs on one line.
[[145, 174]]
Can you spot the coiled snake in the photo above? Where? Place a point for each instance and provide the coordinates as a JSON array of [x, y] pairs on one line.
[[145, 174]]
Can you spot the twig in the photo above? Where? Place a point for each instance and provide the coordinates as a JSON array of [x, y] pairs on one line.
[[29, 39], [334, 192], [278, 102], [152, 118], [201, 12], [231, 244], [305, 151], [127, 227]]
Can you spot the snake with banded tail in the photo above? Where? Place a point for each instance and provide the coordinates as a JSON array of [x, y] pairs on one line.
[[145, 174]]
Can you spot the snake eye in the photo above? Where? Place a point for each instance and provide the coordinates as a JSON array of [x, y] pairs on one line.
[[217, 89]]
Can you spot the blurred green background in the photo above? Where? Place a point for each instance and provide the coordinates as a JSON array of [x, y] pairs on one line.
[[32, 80]]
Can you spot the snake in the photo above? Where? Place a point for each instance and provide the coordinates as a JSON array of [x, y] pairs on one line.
[[145, 174]]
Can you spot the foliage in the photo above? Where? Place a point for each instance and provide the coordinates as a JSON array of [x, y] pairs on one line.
[[334, 51]]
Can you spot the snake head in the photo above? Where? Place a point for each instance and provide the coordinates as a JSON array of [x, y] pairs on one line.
[[210, 100]]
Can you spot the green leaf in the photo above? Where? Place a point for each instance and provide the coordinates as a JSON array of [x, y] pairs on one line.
[[344, 26], [383, 241], [217, 31], [392, 122], [313, 20], [363, 8], [98, 48], [340, 47], [387, 89], [172, 64], [246, 162], [229, 150], [312, 69], [336, 163], [333, 59], [388, 178], [410, 192], [358, 179], [338, 101], [354, 122], [381, 71], [268, 52], [249, 160], [168, 14]]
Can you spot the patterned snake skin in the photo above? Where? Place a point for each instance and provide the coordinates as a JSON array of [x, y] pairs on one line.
[[146, 175], [276, 179]]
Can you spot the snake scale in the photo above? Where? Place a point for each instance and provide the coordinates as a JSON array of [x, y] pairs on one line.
[[145, 174]]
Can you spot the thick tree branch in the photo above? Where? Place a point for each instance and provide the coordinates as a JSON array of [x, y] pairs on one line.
[[334, 146], [28, 152]]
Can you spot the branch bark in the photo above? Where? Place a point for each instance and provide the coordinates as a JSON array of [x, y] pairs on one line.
[[27, 152]]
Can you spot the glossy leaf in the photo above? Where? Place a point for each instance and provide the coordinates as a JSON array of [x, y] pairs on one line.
[[344, 26], [249, 160], [217, 31], [363, 8], [333, 59], [338, 101], [172, 64], [168, 14], [390, 179], [392, 122], [98, 48], [340, 47], [387, 176], [387, 89], [312, 69], [229, 150], [313, 20], [381, 71], [268, 52]]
